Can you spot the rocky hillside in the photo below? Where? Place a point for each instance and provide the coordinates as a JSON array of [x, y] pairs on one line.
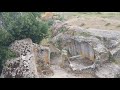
[[78, 47], [30, 62]]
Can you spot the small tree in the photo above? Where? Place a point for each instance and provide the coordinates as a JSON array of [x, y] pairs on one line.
[[5, 38], [24, 25]]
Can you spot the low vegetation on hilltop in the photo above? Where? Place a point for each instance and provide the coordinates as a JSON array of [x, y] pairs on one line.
[[19, 25]]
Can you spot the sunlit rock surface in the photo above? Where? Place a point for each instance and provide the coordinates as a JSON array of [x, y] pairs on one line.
[[100, 46], [31, 61]]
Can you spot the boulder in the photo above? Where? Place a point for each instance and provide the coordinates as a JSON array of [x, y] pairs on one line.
[[108, 70], [24, 66], [32, 61], [116, 54]]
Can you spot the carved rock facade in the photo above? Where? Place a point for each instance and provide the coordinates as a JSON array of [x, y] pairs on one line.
[[99, 46]]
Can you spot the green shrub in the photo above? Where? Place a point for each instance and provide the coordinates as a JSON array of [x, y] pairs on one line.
[[5, 54], [24, 25], [60, 17], [5, 38], [50, 22]]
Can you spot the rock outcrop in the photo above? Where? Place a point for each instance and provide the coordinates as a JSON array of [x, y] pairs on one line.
[[108, 70], [27, 64], [100, 46]]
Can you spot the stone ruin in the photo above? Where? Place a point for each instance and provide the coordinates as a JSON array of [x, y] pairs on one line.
[[32, 61], [89, 50]]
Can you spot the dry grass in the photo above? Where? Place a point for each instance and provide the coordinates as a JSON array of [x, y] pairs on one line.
[[99, 20]]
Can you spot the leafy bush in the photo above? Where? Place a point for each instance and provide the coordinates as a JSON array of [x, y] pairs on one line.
[[5, 38], [5, 54], [50, 22], [59, 17], [25, 26]]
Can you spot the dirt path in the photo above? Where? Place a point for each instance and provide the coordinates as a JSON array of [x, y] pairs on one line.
[[58, 71], [61, 73]]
